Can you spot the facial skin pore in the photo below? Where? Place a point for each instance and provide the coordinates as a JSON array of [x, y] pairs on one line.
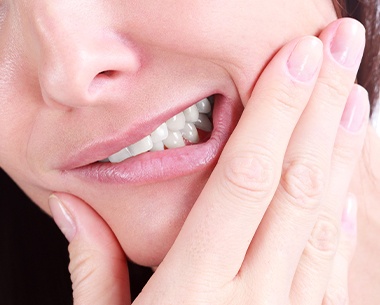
[[160, 57]]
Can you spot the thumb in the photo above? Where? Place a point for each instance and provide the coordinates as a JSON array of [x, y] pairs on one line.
[[98, 266]]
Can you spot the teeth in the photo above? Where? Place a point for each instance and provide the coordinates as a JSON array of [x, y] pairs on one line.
[[177, 122], [158, 146], [204, 106], [191, 114], [203, 123], [120, 155], [161, 133], [172, 133], [141, 146], [174, 140], [190, 133]]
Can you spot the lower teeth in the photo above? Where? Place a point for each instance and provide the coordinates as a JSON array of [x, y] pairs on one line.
[[176, 132]]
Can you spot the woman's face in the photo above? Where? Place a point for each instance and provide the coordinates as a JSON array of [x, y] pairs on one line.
[[81, 80]]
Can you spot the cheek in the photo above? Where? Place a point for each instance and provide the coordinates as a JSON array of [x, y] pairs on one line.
[[19, 111], [18, 86], [18, 114], [241, 36]]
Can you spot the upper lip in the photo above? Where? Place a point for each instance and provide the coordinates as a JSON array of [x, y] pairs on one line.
[[102, 148]]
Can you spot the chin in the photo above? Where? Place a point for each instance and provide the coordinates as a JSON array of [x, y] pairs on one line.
[[147, 228]]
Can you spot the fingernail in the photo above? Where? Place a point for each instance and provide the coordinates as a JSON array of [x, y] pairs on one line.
[[62, 217], [347, 45], [355, 110], [305, 59], [349, 216]]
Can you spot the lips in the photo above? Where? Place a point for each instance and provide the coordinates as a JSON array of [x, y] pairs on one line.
[[159, 165]]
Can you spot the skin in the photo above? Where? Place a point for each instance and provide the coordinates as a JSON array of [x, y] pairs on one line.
[[214, 259], [365, 269], [222, 47], [39, 62]]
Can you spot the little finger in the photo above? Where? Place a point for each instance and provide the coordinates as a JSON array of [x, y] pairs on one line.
[[337, 290]]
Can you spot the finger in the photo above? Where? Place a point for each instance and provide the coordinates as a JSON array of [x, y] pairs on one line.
[[346, 153], [286, 227], [337, 290], [311, 272], [221, 225], [320, 250], [347, 150], [98, 267]]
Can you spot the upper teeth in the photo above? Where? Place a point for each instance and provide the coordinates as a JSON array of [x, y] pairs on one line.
[[171, 134]]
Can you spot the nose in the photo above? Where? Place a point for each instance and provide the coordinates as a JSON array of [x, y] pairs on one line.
[[81, 66]]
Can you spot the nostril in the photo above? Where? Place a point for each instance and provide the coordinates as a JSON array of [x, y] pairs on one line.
[[108, 73], [101, 80]]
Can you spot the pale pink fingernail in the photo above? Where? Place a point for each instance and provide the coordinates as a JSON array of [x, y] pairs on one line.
[[62, 217], [347, 45], [349, 216], [305, 59], [355, 110]]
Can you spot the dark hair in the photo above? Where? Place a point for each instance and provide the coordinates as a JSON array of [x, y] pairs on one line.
[[33, 253]]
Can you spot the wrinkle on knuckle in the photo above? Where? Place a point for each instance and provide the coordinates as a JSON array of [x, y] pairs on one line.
[[333, 90], [283, 98], [346, 154], [81, 267], [303, 183], [249, 177], [324, 239]]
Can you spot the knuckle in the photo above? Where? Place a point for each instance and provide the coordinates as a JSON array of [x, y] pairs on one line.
[[333, 90], [282, 97], [336, 296], [303, 183], [81, 267], [346, 154], [324, 239], [249, 176]]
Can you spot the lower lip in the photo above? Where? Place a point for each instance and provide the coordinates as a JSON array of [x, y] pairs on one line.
[[172, 163]]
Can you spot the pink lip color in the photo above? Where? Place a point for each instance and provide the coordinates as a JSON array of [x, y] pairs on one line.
[[103, 147], [164, 165]]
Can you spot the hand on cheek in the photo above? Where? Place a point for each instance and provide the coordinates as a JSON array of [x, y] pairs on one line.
[[265, 229]]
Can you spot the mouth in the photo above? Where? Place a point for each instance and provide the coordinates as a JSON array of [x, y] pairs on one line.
[[189, 142], [191, 126]]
